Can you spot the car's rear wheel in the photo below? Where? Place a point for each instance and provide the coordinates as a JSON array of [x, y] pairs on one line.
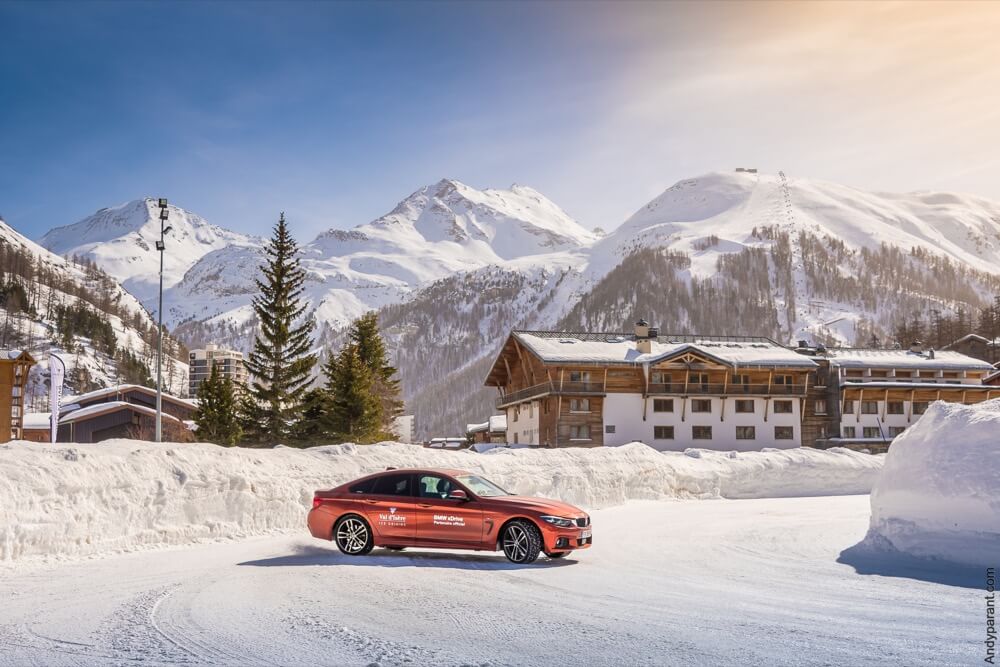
[[353, 535], [521, 542], [558, 554]]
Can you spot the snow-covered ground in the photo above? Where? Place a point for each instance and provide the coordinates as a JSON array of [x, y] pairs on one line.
[[748, 582], [939, 494], [70, 500]]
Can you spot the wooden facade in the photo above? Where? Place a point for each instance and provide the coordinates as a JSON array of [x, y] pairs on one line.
[[14, 369], [560, 402]]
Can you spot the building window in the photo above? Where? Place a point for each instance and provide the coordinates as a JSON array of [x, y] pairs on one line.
[[869, 407], [824, 432], [701, 405], [659, 377], [701, 432], [784, 432], [531, 410], [896, 430], [663, 405], [782, 407], [894, 407], [880, 374], [516, 410], [741, 379], [782, 379], [663, 432], [15, 411], [610, 428], [698, 378], [579, 432], [746, 433], [819, 406], [850, 432], [871, 432], [579, 376], [920, 407], [848, 407], [515, 439], [744, 406], [579, 405]]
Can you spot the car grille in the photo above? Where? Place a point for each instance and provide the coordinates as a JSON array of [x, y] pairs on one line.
[[584, 522]]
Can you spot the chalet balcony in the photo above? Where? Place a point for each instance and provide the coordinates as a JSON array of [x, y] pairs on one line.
[[549, 388], [719, 389]]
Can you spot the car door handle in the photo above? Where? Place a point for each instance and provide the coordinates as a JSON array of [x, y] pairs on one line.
[[372, 502], [424, 505]]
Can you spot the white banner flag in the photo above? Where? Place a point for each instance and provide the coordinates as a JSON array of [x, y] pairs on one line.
[[57, 371]]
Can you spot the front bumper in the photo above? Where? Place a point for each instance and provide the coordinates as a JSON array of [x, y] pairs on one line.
[[556, 539]]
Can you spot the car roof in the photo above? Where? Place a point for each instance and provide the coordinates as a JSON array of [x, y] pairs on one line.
[[443, 471]]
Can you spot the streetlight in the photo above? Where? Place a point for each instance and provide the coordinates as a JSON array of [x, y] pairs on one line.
[[160, 246]]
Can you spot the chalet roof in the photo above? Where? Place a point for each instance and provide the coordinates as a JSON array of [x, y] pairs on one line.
[[619, 348], [16, 355], [110, 406], [972, 336], [495, 424], [866, 358], [36, 420], [121, 389]]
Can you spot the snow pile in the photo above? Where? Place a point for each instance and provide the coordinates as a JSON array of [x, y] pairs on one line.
[[73, 500], [939, 493]]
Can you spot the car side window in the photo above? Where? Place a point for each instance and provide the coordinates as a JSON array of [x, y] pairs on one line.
[[434, 486], [392, 485], [364, 486]]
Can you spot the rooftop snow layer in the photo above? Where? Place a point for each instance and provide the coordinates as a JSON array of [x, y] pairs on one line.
[[110, 406], [943, 359], [619, 349]]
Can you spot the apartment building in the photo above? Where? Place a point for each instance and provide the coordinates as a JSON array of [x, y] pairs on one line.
[[880, 393], [14, 368], [229, 362]]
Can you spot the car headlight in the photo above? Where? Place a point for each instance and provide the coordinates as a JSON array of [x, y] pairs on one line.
[[558, 521]]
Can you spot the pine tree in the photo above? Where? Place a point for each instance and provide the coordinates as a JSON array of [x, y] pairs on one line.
[[314, 427], [355, 411], [280, 362], [216, 415], [364, 334]]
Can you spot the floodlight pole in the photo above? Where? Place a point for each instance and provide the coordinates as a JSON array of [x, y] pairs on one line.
[[159, 330]]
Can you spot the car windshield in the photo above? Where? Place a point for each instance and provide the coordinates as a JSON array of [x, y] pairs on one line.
[[481, 486]]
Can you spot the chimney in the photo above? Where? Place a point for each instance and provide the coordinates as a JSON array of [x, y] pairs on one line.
[[930, 353], [916, 347], [641, 329], [803, 343], [643, 341]]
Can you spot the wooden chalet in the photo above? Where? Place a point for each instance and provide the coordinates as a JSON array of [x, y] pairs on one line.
[[589, 389]]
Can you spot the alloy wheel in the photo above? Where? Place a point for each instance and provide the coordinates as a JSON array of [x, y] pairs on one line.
[[515, 543], [352, 536]]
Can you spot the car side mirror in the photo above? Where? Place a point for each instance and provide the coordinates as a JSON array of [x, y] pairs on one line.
[[458, 494]]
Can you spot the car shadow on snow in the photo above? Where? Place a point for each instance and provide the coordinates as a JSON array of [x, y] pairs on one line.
[[312, 556], [891, 563]]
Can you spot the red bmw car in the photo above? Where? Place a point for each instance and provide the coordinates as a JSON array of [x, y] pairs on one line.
[[445, 509]]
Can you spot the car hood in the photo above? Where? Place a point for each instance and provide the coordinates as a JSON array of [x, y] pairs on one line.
[[544, 505]]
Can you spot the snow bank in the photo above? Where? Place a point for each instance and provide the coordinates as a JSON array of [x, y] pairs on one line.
[[938, 495], [73, 500]]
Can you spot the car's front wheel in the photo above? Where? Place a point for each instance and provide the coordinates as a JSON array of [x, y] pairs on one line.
[[353, 535], [521, 542]]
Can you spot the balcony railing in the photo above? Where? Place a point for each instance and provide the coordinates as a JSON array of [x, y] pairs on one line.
[[718, 389], [546, 388], [655, 388]]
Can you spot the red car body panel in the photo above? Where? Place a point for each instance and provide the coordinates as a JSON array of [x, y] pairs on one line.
[[441, 522]]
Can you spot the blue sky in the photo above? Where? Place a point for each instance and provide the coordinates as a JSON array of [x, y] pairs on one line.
[[333, 112]]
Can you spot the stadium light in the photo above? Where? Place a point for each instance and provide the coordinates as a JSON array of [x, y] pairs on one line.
[[160, 247]]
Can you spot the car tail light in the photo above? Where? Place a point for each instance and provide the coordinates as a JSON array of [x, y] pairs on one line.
[[317, 501]]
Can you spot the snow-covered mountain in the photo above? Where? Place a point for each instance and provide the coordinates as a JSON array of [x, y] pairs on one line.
[[437, 231], [51, 304], [451, 269], [121, 241]]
